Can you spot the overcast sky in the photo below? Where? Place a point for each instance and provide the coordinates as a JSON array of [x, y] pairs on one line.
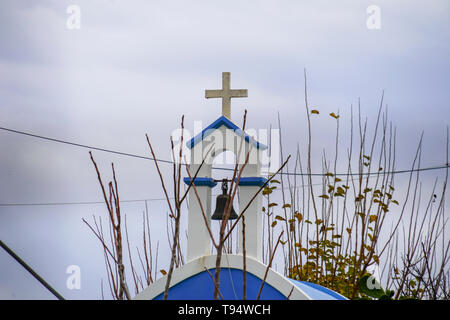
[[134, 67]]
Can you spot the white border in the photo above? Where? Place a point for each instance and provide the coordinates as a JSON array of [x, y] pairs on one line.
[[275, 279]]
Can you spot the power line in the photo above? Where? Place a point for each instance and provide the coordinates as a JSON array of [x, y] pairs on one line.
[[71, 203], [30, 270], [216, 168], [84, 145], [123, 201]]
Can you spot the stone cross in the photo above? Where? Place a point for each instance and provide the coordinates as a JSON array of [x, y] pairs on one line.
[[226, 94]]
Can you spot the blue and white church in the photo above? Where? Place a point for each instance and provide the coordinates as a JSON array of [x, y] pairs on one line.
[[192, 281]]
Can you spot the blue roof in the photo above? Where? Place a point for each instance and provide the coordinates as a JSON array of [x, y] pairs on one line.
[[200, 287], [222, 121], [317, 292]]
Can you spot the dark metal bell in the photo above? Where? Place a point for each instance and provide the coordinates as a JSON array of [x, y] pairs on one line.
[[221, 203]]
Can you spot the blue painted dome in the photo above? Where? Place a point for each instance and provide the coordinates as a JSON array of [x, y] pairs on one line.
[[201, 287]]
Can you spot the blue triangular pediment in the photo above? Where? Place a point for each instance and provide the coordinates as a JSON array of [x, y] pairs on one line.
[[222, 121]]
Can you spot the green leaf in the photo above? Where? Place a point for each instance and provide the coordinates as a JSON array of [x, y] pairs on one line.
[[369, 286]]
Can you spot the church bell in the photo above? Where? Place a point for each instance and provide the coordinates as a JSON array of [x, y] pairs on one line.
[[221, 203]]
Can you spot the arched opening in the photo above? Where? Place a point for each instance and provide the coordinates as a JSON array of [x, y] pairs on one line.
[[224, 159]]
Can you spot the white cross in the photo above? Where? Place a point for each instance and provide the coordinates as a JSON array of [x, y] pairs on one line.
[[226, 94]]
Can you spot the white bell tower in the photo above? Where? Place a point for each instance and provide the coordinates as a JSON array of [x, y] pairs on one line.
[[191, 280], [223, 135]]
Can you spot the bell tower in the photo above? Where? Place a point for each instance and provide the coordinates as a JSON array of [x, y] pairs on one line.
[[192, 280], [223, 135]]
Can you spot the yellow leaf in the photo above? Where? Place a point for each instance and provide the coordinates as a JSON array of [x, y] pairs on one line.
[[372, 218], [340, 190], [361, 214], [334, 115], [274, 224], [319, 221], [324, 196], [280, 218], [349, 230], [376, 259], [286, 205], [315, 111], [163, 272], [298, 216]]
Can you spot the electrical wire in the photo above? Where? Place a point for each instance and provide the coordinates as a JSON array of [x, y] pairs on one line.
[[217, 168]]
